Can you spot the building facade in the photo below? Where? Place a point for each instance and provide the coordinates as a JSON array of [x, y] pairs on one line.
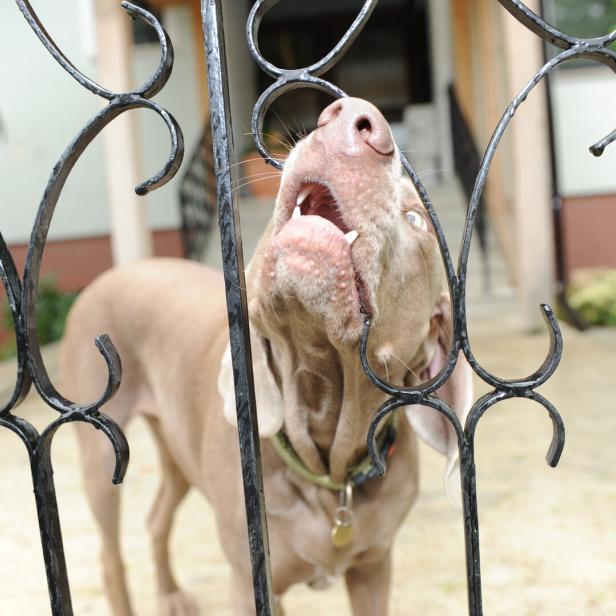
[[408, 60]]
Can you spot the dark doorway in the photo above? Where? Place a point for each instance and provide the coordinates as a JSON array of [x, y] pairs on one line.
[[388, 64]]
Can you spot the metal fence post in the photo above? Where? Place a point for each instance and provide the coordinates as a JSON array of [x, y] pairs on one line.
[[237, 307]]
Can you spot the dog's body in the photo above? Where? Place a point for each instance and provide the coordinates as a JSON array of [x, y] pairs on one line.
[[309, 291]]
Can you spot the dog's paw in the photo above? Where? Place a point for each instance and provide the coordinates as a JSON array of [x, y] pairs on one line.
[[177, 604]]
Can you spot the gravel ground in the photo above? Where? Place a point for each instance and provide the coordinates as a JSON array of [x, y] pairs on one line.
[[548, 537]]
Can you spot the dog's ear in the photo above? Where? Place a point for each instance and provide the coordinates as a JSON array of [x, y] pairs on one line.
[[457, 392], [269, 400]]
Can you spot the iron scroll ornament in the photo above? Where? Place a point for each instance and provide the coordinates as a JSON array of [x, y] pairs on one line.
[[571, 48], [22, 301]]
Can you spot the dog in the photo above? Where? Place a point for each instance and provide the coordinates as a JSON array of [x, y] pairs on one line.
[[348, 238]]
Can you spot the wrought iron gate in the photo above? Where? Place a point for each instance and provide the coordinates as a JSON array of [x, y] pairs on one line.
[[311, 77], [22, 299], [22, 291]]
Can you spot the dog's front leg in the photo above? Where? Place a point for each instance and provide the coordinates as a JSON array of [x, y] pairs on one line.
[[368, 586]]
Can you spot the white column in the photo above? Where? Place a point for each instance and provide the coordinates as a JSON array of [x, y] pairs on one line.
[[87, 16], [531, 190], [130, 237], [439, 16]]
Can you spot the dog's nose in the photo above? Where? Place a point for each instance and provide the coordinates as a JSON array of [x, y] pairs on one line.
[[350, 125]]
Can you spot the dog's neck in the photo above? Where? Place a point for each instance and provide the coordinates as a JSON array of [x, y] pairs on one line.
[[329, 401]]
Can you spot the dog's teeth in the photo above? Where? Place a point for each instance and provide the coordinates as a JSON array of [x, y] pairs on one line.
[[296, 212], [351, 236], [303, 194]]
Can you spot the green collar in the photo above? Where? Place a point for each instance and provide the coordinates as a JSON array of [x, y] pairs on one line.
[[359, 473]]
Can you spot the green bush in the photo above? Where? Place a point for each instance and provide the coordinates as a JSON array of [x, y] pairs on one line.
[[7, 349], [53, 306], [596, 303]]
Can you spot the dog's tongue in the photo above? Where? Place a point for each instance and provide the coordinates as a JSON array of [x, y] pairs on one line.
[[310, 260]]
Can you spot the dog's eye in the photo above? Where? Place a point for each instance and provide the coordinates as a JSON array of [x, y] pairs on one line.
[[417, 220]]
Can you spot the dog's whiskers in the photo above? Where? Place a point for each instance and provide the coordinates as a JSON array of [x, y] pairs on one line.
[[246, 160], [276, 139], [274, 309], [389, 238], [286, 128], [243, 184], [259, 174], [423, 262], [405, 365], [238, 286]]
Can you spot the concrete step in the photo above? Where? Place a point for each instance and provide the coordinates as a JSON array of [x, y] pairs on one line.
[[481, 301]]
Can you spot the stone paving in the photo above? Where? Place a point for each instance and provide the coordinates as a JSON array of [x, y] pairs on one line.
[[548, 536]]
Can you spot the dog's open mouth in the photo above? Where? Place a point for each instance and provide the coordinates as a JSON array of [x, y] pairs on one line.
[[317, 199]]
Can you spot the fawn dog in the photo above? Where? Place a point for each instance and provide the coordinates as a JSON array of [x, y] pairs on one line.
[[348, 238]]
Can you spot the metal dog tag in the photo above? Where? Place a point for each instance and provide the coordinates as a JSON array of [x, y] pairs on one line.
[[342, 532]]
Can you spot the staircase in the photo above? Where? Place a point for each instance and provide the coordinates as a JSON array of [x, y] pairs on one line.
[[197, 198], [488, 286]]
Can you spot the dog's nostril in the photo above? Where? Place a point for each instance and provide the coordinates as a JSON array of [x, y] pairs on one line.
[[364, 126]]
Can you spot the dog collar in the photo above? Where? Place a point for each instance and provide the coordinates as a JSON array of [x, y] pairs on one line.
[[359, 473]]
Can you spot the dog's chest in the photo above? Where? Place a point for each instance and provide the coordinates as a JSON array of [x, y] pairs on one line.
[[303, 550], [301, 517]]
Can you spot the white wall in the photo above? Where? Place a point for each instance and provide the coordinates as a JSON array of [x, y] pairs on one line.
[[42, 109], [584, 113], [180, 98]]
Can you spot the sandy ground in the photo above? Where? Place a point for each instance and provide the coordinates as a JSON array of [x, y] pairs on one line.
[[548, 536]]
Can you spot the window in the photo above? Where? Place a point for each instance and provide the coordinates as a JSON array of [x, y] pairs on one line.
[[586, 19], [388, 64]]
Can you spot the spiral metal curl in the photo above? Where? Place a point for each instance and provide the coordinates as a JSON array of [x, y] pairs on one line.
[[596, 49], [22, 301]]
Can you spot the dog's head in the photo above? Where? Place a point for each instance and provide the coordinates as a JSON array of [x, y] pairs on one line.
[[349, 238]]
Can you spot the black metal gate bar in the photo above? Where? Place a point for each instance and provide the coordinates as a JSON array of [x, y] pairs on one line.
[[22, 300], [237, 307]]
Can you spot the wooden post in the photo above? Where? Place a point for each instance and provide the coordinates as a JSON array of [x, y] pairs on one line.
[[531, 168]]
